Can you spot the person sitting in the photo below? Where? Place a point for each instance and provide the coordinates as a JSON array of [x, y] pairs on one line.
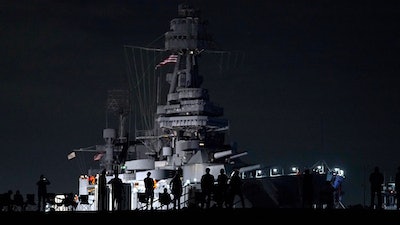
[[165, 198], [19, 204], [30, 204]]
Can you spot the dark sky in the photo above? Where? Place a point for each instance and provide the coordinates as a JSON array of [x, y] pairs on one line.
[[319, 80]]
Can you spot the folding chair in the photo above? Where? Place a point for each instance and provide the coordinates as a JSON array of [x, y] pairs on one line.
[[84, 203]]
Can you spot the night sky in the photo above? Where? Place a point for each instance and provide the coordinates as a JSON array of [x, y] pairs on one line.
[[318, 81]]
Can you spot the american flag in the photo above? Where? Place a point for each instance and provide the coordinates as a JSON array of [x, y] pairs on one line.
[[171, 59], [98, 156], [71, 155]]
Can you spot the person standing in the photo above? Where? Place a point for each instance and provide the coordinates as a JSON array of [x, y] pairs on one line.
[[116, 186], [7, 201], [397, 188], [207, 188], [222, 187], [376, 180], [307, 190], [149, 190], [42, 184], [102, 204], [177, 188], [235, 187]]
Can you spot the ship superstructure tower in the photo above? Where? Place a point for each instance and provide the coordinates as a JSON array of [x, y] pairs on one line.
[[189, 126]]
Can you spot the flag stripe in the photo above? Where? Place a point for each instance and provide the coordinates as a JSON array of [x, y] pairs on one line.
[[171, 59]]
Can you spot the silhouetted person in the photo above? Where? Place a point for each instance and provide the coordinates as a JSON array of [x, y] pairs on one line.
[[42, 184], [149, 190], [19, 202], [376, 180], [207, 188], [308, 189], [337, 186], [222, 187], [165, 198], [177, 188], [7, 201], [117, 189], [397, 187], [70, 202], [235, 188], [102, 204], [30, 204], [326, 195]]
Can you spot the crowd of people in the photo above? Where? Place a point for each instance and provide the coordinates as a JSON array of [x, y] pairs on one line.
[[329, 194], [15, 201], [376, 180], [323, 191], [11, 201], [220, 192]]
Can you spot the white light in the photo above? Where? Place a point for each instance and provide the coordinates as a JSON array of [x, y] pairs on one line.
[[187, 182], [276, 171], [339, 171], [294, 170]]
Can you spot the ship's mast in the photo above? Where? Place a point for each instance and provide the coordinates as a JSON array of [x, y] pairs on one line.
[[116, 142]]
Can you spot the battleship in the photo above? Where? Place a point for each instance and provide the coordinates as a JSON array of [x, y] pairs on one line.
[[178, 128]]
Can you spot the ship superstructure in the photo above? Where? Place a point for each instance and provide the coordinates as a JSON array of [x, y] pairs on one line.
[[189, 130]]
